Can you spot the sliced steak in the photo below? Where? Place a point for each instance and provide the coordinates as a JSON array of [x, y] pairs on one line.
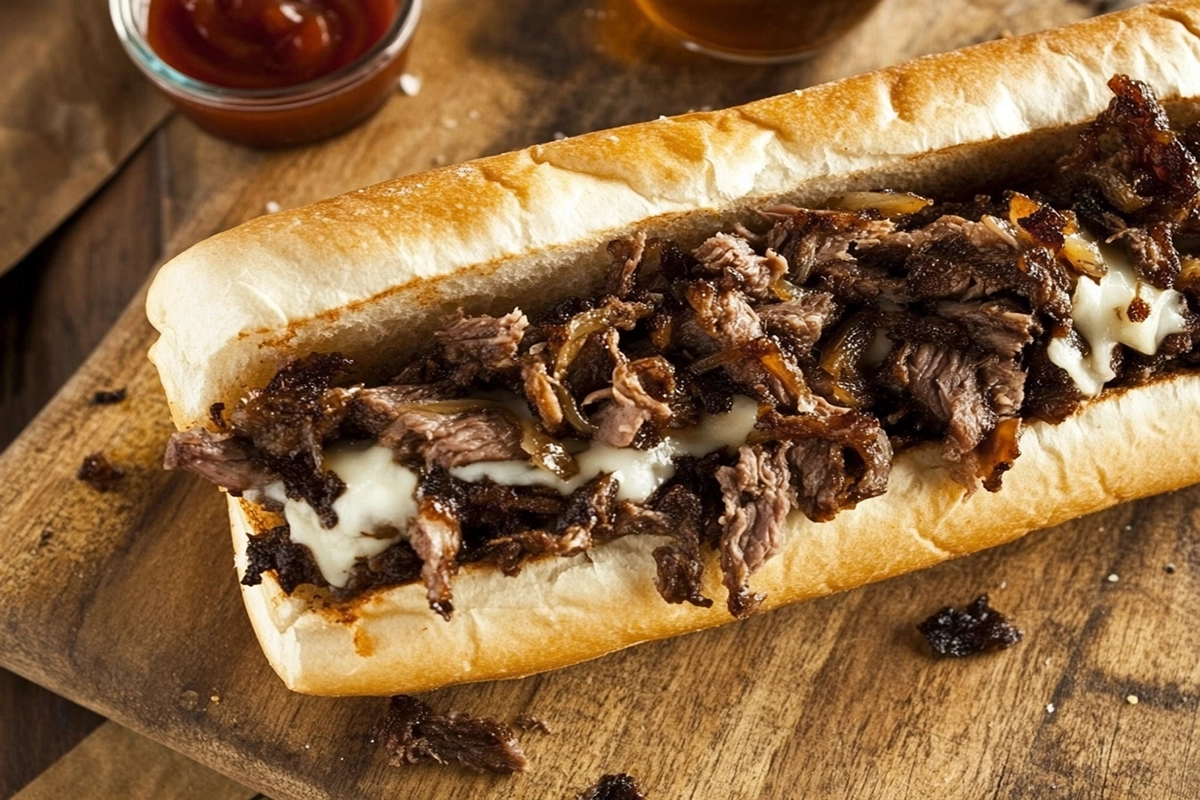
[[757, 496]]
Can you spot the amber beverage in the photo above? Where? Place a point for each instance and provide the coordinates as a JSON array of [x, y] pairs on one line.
[[761, 31]]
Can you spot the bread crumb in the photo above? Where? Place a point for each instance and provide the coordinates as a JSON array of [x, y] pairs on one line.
[[559, 136], [1113, 578], [473, 114], [273, 207], [1049, 708], [409, 84], [1132, 699], [216, 698], [449, 123]]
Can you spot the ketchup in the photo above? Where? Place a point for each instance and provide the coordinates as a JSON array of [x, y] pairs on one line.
[[265, 44], [280, 72]]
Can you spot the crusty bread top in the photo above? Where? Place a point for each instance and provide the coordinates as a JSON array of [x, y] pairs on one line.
[[376, 265]]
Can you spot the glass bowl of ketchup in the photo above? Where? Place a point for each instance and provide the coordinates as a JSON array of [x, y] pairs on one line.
[[270, 73]]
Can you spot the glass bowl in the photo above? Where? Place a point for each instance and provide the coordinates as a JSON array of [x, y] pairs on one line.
[[280, 117]]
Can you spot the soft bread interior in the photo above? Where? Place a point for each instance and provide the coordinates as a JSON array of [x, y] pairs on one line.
[[562, 611]]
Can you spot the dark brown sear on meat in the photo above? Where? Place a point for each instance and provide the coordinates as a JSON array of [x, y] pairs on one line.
[[847, 334]]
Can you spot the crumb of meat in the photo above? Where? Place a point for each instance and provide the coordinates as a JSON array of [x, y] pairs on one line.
[[45, 537], [529, 722], [614, 787], [99, 473], [413, 732], [106, 397], [978, 627]]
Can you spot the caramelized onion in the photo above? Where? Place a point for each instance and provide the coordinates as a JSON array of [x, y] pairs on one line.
[[615, 315], [843, 356], [889, 204], [547, 452]]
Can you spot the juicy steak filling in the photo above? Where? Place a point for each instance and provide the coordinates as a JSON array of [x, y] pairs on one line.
[[882, 322]]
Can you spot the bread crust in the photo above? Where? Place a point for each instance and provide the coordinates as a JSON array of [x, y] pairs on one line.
[[382, 263]]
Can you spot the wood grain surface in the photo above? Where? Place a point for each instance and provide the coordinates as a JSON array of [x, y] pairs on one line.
[[126, 601]]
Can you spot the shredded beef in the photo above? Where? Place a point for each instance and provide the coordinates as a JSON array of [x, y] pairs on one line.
[[739, 267], [483, 344], [99, 473], [222, 458], [436, 537], [614, 787], [294, 413], [1150, 173], [997, 326], [799, 322], [838, 459], [758, 496], [455, 438], [106, 397], [413, 732], [976, 628], [274, 551], [627, 258]]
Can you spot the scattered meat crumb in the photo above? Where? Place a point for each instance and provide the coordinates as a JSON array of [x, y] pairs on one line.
[[410, 84], [1113, 578], [413, 732], [1169, 569], [614, 787], [99, 473], [979, 627], [273, 207], [1131, 699], [532, 723], [109, 396], [45, 537]]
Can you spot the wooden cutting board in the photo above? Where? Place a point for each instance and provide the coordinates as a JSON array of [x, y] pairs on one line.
[[126, 601]]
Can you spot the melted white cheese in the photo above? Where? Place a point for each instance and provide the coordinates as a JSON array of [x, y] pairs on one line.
[[373, 511], [1100, 312], [639, 472], [378, 503]]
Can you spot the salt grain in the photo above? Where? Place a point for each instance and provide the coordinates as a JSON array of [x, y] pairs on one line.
[[559, 136], [273, 207], [449, 123], [1114, 578], [410, 84], [1049, 708]]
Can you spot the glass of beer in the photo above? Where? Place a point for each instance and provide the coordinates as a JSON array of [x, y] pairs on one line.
[[756, 31]]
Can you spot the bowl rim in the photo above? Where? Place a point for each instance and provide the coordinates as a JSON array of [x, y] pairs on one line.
[[172, 81]]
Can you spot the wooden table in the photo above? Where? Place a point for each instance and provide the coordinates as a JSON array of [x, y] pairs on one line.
[[838, 691]]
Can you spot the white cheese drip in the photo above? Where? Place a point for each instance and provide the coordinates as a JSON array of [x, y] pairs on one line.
[[1100, 312], [639, 472], [378, 503], [378, 500]]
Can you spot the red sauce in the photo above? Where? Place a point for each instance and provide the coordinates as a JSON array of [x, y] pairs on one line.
[[265, 44], [274, 45]]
